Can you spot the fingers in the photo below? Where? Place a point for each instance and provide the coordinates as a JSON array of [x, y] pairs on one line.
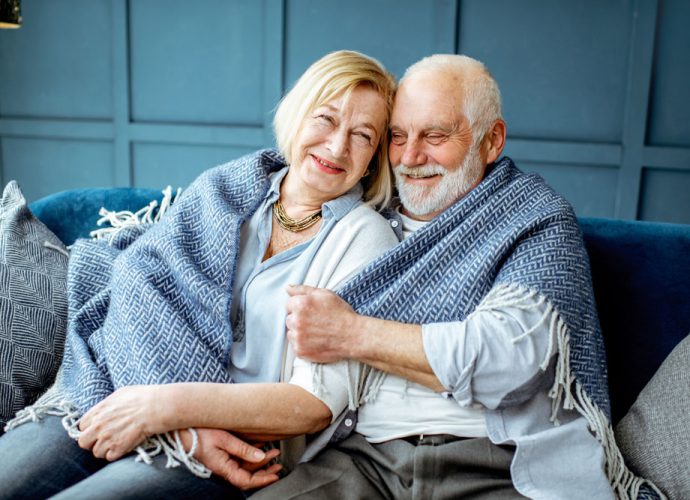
[[111, 455], [260, 479], [86, 419], [87, 438], [270, 455], [240, 449], [245, 480], [238, 473]]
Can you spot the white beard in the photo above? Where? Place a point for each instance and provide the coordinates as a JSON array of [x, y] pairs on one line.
[[424, 200]]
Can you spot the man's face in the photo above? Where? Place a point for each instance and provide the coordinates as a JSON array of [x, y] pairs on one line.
[[431, 150]]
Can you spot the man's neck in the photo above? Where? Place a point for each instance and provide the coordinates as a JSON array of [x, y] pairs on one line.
[[419, 217], [409, 224]]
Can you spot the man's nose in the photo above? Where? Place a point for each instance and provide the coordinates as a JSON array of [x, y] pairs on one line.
[[338, 143], [413, 154]]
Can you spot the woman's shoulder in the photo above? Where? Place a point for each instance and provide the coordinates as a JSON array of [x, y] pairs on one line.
[[366, 216], [265, 160], [365, 223]]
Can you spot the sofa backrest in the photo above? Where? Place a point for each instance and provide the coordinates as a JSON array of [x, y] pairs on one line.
[[640, 272], [641, 277], [73, 214]]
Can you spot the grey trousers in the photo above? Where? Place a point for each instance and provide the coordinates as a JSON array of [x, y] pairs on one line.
[[399, 469]]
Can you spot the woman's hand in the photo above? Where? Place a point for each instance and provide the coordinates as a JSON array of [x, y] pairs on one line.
[[239, 463], [120, 422]]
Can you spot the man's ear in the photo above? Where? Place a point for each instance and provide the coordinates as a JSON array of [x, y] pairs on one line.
[[494, 140]]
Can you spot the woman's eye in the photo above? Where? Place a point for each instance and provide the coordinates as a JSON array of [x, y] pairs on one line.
[[325, 118], [363, 136]]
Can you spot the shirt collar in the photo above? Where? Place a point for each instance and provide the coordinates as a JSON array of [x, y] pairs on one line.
[[336, 208]]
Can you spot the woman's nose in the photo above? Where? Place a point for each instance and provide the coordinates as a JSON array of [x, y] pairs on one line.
[[338, 143]]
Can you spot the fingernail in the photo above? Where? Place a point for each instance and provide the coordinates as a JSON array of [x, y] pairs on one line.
[[259, 455]]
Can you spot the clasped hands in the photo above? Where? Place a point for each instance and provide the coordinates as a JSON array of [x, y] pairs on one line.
[[318, 323], [123, 420]]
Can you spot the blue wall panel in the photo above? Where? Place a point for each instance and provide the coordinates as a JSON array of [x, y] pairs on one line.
[[397, 32], [159, 165], [44, 166], [669, 105], [588, 188], [59, 63], [200, 63], [561, 66], [665, 196], [151, 92]]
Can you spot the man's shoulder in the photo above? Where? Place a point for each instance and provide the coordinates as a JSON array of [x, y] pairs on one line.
[[539, 194]]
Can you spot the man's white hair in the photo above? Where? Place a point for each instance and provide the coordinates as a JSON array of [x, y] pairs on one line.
[[482, 98]]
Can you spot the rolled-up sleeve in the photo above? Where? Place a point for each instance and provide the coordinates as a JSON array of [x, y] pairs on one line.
[[493, 352], [331, 389]]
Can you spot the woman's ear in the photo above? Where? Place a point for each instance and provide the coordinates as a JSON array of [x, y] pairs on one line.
[[494, 140]]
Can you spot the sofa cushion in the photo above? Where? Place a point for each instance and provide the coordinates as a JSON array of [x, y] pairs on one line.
[[655, 434], [33, 304]]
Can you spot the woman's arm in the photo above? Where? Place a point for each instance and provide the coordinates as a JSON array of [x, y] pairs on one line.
[[258, 412]]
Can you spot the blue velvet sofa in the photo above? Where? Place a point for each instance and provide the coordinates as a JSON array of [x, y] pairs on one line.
[[640, 271]]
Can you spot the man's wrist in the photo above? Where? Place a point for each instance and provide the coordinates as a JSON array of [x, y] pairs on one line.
[[359, 333]]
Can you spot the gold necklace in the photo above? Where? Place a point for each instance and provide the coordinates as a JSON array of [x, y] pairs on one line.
[[293, 225]]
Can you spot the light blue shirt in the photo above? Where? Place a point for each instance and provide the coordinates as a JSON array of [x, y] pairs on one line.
[[259, 296]]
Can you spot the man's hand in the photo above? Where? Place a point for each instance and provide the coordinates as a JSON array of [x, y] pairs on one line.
[[120, 422], [239, 463], [320, 325], [323, 328]]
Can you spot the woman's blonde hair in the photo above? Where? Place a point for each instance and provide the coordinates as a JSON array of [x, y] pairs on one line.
[[334, 75]]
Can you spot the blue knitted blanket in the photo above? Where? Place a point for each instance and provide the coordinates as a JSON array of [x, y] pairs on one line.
[[512, 233], [156, 310], [511, 229]]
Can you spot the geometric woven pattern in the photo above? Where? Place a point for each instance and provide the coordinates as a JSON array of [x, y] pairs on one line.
[[511, 229], [157, 311], [33, 304]]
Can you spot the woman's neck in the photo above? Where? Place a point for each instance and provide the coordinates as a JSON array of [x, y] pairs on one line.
[[297, 199]]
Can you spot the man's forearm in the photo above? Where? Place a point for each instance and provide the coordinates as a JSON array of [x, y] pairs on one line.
[[394, 348], [258, 411]]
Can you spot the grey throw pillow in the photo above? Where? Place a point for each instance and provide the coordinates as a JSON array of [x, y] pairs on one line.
[[33, 304], [655, 434]]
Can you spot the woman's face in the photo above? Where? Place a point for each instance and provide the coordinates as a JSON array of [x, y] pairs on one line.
[[336, 142]]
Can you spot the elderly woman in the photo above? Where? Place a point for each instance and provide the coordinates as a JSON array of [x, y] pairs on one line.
[[198, 301]]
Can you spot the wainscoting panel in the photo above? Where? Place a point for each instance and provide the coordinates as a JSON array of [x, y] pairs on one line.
[[159, 165], [55, 164], [152, 92]]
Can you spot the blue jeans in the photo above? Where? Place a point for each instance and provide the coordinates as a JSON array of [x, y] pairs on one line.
[[39, 460]]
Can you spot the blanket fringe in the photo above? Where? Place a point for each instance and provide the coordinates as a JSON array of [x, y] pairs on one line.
[[124, 219], [169, 443], [566, 392], [57, 248]]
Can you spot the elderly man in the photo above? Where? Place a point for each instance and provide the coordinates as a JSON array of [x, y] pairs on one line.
[[475, 364]]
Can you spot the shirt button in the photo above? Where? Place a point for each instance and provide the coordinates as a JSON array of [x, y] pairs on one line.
[[394, 223], [348, 422]]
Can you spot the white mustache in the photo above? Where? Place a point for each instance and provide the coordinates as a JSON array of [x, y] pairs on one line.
[[422, 171]]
